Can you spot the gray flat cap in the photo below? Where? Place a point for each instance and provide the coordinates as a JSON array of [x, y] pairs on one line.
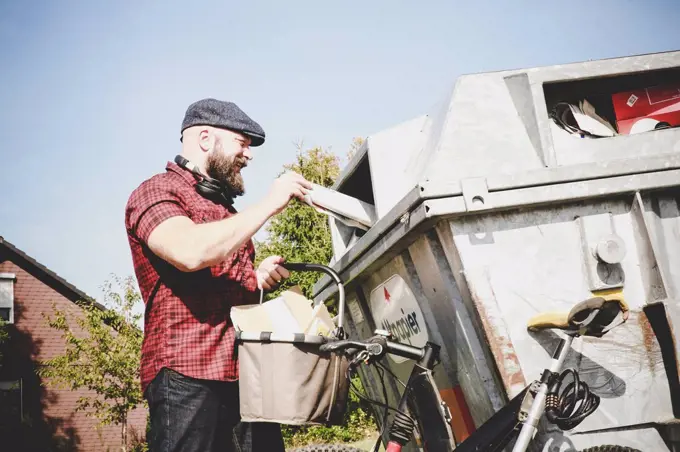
[[225, 115]]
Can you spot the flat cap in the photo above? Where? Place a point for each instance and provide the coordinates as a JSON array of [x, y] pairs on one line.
[[225, 115]]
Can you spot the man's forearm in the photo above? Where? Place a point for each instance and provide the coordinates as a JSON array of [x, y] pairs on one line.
[[190, 247], [211, 243]]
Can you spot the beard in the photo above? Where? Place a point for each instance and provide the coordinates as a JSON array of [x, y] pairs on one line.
[[226, 170]]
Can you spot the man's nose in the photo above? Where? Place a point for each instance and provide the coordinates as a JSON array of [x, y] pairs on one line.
[[247, 153]]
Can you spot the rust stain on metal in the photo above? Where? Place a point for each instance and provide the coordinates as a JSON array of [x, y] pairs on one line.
[[649, 341], [501, 348]]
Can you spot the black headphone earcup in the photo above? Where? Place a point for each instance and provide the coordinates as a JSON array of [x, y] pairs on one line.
[[206, 186], [214, 192]]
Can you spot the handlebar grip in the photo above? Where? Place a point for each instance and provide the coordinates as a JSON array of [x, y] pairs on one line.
[[341, 345], [328, 347]]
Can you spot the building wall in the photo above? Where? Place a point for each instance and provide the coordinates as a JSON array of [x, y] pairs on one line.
[[53, 423]]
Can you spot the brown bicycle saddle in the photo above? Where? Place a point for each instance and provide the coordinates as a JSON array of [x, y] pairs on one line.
[[592, 317]]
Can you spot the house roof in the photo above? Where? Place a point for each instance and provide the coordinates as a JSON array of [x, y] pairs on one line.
[[57, 282]]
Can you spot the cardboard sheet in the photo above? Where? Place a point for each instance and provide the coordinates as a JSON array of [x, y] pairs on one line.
[[291, 312]]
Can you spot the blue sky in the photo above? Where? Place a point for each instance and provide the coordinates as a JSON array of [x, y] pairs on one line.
[[92, 94]]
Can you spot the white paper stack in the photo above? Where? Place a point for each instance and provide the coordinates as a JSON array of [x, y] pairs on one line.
[[582, 119]]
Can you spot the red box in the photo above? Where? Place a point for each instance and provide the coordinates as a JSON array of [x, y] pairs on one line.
[[641, 110]]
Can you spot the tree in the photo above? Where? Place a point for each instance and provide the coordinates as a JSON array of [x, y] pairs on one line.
[[103, 356], [301, 234], [354, 147]]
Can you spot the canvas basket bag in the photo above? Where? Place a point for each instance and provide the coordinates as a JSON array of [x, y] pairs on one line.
[[284, 378], [291, 382]]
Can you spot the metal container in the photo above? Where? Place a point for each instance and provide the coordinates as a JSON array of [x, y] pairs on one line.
[[487, 213]]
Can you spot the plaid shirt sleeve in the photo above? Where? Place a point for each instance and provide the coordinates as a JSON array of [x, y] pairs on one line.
[[151, 204]]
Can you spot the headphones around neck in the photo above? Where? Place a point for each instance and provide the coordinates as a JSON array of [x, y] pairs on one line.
[[206, 186]]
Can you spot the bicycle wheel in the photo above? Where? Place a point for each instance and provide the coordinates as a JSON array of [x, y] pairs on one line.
[[326, 448], [610, 448]]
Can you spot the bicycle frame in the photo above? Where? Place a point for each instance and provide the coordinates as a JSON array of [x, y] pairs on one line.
[[422, 401], [524, 410], [503, 427]]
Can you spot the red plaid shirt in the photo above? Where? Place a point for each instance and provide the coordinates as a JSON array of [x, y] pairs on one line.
[[186, 324]]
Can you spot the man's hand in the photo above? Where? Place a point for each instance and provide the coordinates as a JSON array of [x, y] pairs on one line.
[[286, 187], [270, 272]]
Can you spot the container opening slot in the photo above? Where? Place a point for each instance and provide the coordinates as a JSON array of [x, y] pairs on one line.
[[615, 105], [359, 184]]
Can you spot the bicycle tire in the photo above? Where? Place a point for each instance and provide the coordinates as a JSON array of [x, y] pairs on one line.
[[610, 448], [326, 448]]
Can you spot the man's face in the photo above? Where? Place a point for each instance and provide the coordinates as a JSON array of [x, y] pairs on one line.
[[229, 155]]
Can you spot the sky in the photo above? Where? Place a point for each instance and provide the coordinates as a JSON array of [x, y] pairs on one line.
[[92, 94]]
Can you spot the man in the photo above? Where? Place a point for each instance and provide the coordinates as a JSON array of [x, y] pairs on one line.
[[193, 257]]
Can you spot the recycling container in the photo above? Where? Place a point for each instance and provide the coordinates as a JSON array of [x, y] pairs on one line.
[[520, 193]]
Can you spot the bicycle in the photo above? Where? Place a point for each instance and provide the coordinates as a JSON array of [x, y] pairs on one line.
[[420, 404]]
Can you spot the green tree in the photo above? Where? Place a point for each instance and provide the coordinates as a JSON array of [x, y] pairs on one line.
[[357, 142], [103, 356], [301, 234]]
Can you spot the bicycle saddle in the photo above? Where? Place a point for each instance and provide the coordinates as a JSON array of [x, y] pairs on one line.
[[592, 317]]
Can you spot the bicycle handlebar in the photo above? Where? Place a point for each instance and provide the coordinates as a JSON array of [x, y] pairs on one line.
[[395, 348]]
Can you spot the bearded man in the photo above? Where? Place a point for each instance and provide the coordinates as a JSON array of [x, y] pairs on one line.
[[194, 259]]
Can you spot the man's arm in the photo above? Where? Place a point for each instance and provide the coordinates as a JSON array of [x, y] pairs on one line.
[[190, 247]]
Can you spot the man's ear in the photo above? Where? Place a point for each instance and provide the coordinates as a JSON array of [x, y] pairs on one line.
[[206, 139]]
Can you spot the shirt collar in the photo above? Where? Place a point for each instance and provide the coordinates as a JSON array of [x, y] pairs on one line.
[[182, 172], [188, 177]]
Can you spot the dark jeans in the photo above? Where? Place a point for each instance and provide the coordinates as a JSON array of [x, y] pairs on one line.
[[191, 415]]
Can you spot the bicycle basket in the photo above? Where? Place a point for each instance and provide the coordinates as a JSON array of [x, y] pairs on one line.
[[284, 378], [288, 381]]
